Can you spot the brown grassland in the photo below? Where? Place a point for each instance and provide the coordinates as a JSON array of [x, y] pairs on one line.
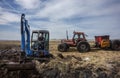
[[97, 63]]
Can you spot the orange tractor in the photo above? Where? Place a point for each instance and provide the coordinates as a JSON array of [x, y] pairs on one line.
[[79, 41]]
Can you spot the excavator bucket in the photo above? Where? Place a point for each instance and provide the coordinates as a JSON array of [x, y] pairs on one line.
[[17, 66]]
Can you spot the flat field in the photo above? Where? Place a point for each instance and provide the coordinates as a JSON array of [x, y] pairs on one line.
[[97, 63]]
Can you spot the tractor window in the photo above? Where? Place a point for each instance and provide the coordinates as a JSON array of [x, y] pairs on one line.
[[35, 36], [81, 36], [76, 36]]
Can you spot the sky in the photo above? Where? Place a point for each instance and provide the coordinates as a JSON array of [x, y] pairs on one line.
[[93, 17]]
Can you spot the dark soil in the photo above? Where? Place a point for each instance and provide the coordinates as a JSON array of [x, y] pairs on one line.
[[61, 66]]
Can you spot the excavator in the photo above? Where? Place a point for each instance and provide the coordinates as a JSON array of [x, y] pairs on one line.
[[34, 48], [39, 41]]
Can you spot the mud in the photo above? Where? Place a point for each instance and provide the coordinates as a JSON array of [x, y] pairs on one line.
[[61, 66], [12, 56], [72, 67]]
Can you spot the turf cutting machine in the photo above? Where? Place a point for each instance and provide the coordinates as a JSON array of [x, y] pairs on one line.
[[36, 48], [104, 42]]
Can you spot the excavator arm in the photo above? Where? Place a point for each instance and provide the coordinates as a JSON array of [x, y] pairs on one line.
[[25, 36]]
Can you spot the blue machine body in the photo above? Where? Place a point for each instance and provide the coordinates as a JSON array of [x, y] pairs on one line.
[[25, 40]]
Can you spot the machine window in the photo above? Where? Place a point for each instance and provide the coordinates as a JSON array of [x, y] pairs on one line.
[[35, 36]]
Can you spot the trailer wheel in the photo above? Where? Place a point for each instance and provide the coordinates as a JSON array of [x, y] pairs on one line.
[[62, 47], [116, 45], [83, 47]]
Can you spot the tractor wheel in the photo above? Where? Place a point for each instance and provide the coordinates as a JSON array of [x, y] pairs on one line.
[[116, 45], [83, 47], [62, 47]]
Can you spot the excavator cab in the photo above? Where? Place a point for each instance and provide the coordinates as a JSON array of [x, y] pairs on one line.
[[40, 42]]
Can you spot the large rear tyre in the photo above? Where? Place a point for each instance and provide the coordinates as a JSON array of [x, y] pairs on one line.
[[116, 45], [83, 47], [62, 47]]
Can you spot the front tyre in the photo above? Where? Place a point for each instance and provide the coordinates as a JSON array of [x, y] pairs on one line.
[[83, 47]]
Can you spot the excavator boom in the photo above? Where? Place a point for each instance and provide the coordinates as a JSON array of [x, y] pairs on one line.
[[25, 36]]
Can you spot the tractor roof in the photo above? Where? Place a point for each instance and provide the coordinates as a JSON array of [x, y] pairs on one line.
[[78, 32]]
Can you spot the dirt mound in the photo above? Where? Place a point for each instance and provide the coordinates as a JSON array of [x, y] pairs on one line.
[[74, 67], [12, 56]]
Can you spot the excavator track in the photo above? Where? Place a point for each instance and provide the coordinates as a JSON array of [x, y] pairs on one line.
[[10, 60], [10, 66]]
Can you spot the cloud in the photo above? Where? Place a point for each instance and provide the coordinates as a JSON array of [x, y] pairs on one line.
[[6, 18], [56, 9], [91, 17], [28, 4]]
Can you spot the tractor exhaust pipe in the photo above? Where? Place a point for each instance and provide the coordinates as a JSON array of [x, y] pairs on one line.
[[67, 34]]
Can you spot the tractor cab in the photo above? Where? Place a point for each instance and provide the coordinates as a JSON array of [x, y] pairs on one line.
[[40, 42], [78, 36]]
